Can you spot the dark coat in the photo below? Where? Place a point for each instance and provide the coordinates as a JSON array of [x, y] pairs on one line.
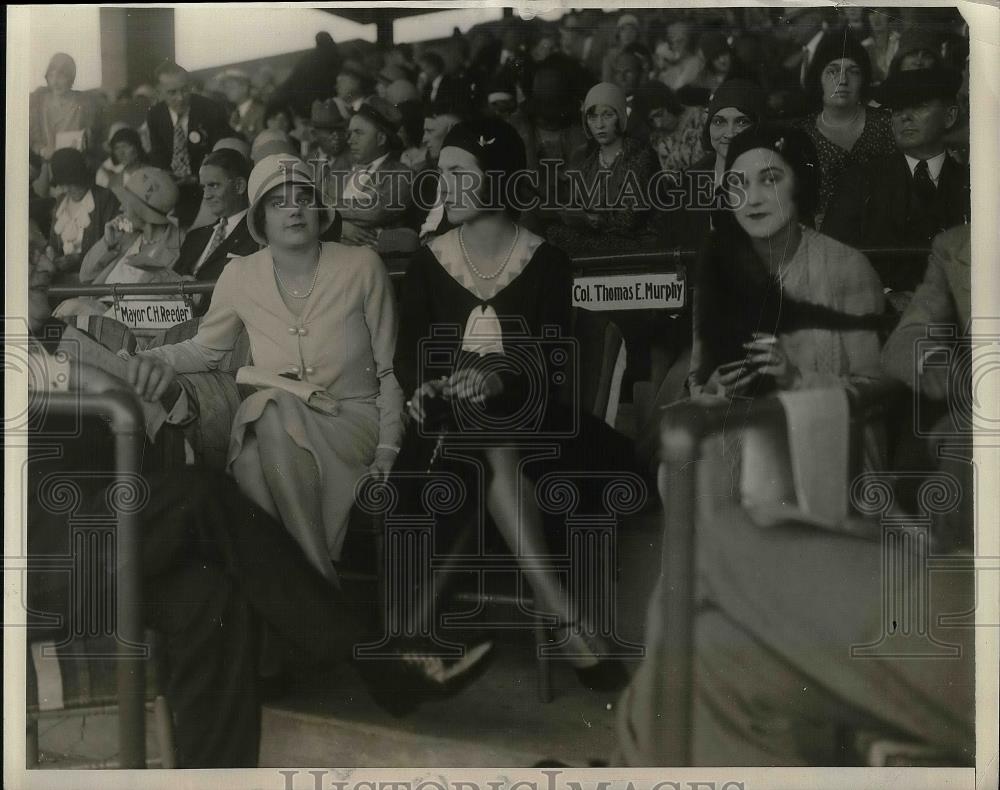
[[237, 244], [209, 119], [875, 206]]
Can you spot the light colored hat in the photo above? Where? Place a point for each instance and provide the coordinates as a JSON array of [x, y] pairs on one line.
[[234, 74], [152, 194], [628, 19], [234, 144], [275, 171], [62, 62], [270, 142], [610, 94], [398, 91]]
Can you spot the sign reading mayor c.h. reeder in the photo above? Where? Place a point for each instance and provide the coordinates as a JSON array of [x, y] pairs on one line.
[[629, 292]]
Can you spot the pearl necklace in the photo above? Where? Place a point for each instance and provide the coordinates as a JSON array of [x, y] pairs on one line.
[[296, 294], [851, 122], [604, 163], [471, 265]]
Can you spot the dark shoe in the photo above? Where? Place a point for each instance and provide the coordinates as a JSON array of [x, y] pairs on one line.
[[401, 684], [608, 674]]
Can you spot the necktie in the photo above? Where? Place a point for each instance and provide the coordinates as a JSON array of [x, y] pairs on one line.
[[180, 164], [218, 236], [922, 183]]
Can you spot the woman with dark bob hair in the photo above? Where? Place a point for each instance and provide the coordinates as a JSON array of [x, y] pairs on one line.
[[843, 128], [81, 211], [486, 355], [779, 306]]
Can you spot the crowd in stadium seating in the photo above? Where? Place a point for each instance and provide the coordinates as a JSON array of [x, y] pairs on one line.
[[778, 144]]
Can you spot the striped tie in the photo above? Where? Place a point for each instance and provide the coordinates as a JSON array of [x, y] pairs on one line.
[[218, 236], [180, 164]]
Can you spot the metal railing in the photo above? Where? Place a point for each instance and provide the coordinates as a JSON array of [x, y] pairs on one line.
[[659, 261], [121, 412], [683, 431]]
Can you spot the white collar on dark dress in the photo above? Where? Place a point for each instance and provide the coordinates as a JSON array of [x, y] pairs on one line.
[[482, 326]]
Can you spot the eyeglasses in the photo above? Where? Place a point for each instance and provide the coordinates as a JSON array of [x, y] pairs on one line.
[[834, 72], [607, 117]]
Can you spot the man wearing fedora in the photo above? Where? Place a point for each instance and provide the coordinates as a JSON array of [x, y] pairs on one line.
[[247, 117], [206, 251], [906, 198], [183, 128], [328, 124], [376, 193]]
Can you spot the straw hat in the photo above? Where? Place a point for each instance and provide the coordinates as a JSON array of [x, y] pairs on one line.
[[151, 194], [270, 142], [275, 171]]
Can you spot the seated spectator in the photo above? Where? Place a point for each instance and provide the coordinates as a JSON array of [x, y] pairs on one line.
[[237, 144], [376, 194], [270, 142], [247, 117], [628, 31], [323, 413], [390, 74], [278, 116], [578, 42], [438, 122], [82, 210], [140, 246], [845, 130], [354, 85], [736, 105], [58, 116], [127, 156], [779, 305], [943, 298], [917, 49], [40, 202], [433, 82], [906, 198], [329, 137], [549, 125], [400, 91], [183, 128], [675, 129], [411, 133], [599, 218], [501, 95], [717, 59], [629, 74], [490, 269], [206, 251], [677, 59]]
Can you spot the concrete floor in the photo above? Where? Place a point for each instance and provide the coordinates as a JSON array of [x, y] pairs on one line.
[[329, 719]]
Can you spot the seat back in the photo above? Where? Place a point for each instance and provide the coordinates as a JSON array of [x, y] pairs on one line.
[[600, 364]]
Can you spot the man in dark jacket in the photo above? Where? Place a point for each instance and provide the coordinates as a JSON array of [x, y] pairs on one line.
[[183, 129], [207, 250], [907, 198]]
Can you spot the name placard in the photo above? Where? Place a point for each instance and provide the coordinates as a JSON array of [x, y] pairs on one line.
[[152, 313], [629, 292]]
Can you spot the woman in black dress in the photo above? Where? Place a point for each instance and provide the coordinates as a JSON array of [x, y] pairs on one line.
[[485, 313]]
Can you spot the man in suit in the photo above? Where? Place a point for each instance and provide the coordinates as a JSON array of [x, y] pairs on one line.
[[908, 197], [207, 250], [183, 129], [435, 84], [247, 117], [438, 120], [377, 193]]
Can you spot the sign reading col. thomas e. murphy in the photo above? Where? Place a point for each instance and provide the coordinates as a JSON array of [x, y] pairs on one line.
[[152, 313], [629, 292]]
